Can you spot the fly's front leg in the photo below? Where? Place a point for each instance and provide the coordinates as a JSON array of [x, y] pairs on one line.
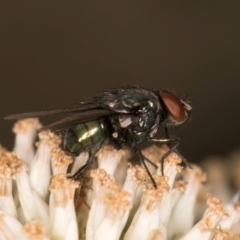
[[172, 143], [183, 159]]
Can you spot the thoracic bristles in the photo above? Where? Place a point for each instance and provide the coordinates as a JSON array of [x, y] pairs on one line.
[[114, 200]]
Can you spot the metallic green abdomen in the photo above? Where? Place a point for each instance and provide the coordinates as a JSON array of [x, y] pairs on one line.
[[84, 136]]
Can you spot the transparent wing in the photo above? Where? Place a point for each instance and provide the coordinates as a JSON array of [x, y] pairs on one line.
[[80, 108], [79, 118], [83, 113]]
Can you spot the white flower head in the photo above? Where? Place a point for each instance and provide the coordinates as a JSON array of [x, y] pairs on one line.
[[115, 201]]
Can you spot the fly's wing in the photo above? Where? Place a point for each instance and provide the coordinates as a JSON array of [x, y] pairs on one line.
[[83, 113], [101, 101], [83, 107], [93, 108], [79, 117]]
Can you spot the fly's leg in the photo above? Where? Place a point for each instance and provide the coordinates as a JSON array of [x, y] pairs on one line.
[[81, 171], [143, 158], [149, 161], [172, 143], [78, 176], [183, 158]]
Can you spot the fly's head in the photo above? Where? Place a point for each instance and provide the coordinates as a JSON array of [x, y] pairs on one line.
[[177, 111]]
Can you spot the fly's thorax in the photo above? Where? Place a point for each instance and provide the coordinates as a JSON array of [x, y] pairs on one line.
[[135, 128], [85, 136]]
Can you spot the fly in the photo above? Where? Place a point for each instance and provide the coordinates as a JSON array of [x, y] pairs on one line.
[[125, 116]]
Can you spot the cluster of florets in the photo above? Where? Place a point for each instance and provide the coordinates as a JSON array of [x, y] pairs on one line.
[[115, 200]]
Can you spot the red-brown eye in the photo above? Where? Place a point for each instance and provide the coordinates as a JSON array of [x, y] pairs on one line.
[[174, 106]]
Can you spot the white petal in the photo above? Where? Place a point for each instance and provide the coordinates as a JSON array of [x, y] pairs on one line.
[[63, 222], [40, 167], [26, 131], [10, 228], [32, 204], [109, 158]]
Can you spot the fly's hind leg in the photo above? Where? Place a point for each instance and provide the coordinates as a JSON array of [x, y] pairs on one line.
[[81, 171], [80, 175]]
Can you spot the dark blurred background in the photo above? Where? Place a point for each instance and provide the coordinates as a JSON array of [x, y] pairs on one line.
[[55, 53]]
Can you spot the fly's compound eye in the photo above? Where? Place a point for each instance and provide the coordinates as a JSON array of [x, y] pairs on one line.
[[174, 106]]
